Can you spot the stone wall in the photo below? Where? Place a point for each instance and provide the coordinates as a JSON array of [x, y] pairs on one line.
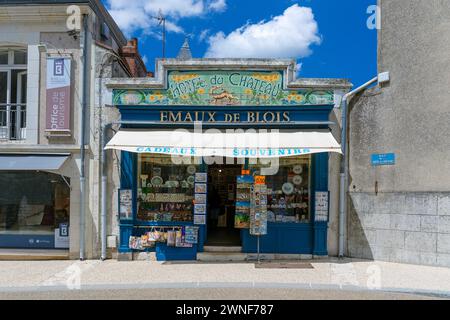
[[400, 213], [400, 227]]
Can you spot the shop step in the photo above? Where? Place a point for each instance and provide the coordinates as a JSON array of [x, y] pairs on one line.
[[30, 254], [222, 248], [221, 256]]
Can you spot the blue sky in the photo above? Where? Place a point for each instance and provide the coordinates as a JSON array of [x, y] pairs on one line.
[[328, 38]]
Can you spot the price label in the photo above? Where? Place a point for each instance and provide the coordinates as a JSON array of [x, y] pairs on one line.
[[260, 180]]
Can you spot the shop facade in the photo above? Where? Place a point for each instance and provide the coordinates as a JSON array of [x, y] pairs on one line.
[[209, 140]]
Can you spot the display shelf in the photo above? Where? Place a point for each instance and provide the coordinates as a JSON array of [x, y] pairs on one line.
[[149, 224]]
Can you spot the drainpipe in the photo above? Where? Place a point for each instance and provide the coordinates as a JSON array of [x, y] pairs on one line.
[[103, 131], [104, 181], [344, 161], [83, 140]]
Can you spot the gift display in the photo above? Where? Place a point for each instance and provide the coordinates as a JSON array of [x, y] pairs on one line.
[[288, 198], [165, 191], [191, 235], [182, 237], [258, 212], [244, 188], [201, 188]]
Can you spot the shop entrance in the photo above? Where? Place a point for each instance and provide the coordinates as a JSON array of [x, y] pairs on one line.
[[221, 205]]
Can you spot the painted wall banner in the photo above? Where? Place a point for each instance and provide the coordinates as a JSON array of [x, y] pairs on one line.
[[224, 88], [58, 95], [386, 159]]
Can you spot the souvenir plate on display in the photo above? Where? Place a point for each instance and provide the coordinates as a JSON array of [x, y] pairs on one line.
[[200, 188], [199, 209], [184, 184], [201, 177], [288, 188], [191, 180], [297, 169], [191, 169], [199, 219], [157, 181], [297, 180], [172, 183], [200, 198]]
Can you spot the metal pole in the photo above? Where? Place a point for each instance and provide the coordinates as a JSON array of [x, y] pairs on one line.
[[83, 140], [259, 261], [103, 190], [164, 38], [344, 160]]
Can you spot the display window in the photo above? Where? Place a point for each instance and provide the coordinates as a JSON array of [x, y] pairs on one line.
[[166, 190], [288, 191], [33, 203]]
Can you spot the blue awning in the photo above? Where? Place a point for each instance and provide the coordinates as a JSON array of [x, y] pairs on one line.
[[31, 162]]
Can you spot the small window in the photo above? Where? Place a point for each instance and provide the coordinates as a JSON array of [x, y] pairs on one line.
[[20, 57], [4, 57]]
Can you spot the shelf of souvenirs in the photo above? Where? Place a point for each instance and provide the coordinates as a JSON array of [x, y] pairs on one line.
[[174, 216], [165, 198]]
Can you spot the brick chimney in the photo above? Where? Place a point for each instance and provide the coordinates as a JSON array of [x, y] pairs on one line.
[[130, 53]]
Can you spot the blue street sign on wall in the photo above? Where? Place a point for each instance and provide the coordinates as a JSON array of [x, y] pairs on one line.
[[385, 159]]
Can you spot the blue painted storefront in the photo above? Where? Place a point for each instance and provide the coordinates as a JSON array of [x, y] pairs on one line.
[[283, 238]]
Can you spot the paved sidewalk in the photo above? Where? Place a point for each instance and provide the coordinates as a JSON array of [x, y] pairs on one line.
[[331, 274]]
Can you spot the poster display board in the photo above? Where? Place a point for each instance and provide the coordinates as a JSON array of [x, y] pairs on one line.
[[201, 189], [244, 189], [258, 211], [125, 204], [321, 206]]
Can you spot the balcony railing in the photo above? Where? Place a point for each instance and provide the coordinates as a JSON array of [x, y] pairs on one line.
[[12, 121]]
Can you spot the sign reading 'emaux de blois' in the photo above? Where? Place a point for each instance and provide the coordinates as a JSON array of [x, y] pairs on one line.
[[223, 88]]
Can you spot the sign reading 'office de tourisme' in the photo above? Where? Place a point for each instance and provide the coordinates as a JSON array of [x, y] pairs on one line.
[[58, 95]]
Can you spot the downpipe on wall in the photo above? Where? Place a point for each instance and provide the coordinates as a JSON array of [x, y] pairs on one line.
[[343, 183], [83, 141], [104, 181]]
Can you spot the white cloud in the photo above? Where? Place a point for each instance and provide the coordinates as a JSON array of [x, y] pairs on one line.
[[133, 15], [298, 69], [289, 35], [203, 35], [217, 5]]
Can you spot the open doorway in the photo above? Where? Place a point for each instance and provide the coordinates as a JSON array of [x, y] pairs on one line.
[[221, 205]]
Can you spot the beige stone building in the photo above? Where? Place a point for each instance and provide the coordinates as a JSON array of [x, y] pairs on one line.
[[53, 55]]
